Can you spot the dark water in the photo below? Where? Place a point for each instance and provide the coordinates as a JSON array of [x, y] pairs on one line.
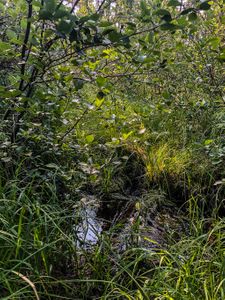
[[142, 226]]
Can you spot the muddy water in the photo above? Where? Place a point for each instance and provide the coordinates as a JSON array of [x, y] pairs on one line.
[[89, 229], [88, 226], [142, 227]]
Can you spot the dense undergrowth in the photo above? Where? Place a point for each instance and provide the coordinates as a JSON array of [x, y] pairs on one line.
[[40, 258], [118, 108]]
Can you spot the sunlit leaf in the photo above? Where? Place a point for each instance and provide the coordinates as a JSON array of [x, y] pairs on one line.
[[89, 138]]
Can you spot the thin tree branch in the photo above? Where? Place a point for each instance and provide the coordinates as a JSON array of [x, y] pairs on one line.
[[59, 5], [24, 56], [74, 125], [74, 5], [26, 38], [101, 5]]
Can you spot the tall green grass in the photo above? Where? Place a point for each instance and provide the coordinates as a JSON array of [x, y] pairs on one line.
[[39, 258], [39, 253]]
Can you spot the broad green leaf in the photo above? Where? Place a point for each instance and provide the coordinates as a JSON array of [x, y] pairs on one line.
[[44, 14], [60, 13], [89, 138], [204, 5], [214, 42], [192, 16], [101, 81], [221, 58], [187, 11], [164, 14], [4, 47], [131, 25], [174, 3], [78, 83], [75, 35], [11, 34], [98, 102], [169, 26], [2, 7], [114, 36], [10, 93], [50, 5], [105, 24], [141, 58], [208, 142], [36, 3], [94, 17], [65, 26]]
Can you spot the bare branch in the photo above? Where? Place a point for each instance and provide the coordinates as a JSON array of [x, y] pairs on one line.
[[74, 5]]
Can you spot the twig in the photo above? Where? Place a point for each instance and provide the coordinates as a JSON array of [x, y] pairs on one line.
[[74, 5], [100, 6], [31, 284], [23, 53]]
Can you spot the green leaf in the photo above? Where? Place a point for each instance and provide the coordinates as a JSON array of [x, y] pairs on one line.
[[221, 58], [36, 3], [204, 6], [11, 34], [144, 9], [131, 25], [101, 81], [214, 42], [208, 142], [94, 17], [60, 13], [4, 47], [107, 31], [174, 3], [165, 14], [75, 35], [143, 59], [187, 11], [9, 93], [166, 95], [2, 7], [50, 5], [65, 26], [126, 135], [89, 138], [45, 14], [140, 58], [162, 12], [105, 24], [78, 83], [99, 102], [169, 26], [114, 36], [192, 16]]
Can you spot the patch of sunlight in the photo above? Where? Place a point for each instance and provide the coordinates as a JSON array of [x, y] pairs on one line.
[[164, 158]]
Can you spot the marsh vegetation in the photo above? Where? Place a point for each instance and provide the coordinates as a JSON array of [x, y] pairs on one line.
[[112, 149]]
